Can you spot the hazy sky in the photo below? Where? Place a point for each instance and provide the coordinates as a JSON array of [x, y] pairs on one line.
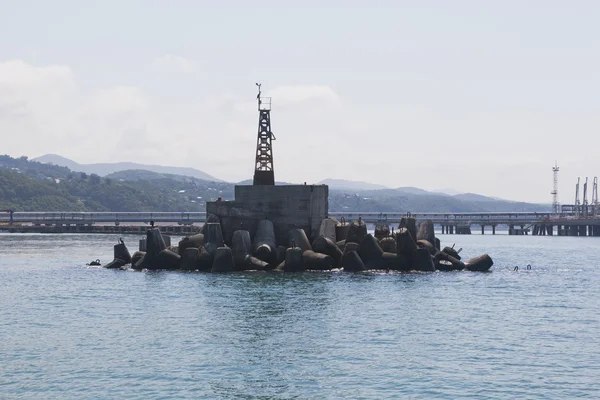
[[477, 96]]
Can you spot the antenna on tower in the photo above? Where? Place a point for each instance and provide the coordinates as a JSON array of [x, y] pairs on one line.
[[554, 193], [577, 203]]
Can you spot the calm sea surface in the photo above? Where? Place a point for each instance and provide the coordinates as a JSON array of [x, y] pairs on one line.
[[68, 331]]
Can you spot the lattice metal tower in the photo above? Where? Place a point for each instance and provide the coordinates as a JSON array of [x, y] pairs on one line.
[[263, 167], [554, 193]]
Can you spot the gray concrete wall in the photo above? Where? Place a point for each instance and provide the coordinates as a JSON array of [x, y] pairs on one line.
[[288, 207]]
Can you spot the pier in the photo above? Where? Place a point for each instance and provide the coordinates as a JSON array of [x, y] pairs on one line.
[[540, 224]]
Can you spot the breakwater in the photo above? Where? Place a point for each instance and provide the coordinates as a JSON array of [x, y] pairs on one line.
[[335, 245]]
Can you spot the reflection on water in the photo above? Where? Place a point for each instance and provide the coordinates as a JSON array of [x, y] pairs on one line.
[[72, 331]]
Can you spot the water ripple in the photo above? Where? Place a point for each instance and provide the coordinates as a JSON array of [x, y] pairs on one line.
[[72, 331]]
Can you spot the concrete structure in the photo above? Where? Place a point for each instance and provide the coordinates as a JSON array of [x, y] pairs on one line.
[[288, 207]]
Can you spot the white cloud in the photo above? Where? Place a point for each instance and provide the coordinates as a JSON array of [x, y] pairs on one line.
[[295, 95], [118, 99], [26, 89], [42, 110], [32, 103], [173, 63], [19, 74]]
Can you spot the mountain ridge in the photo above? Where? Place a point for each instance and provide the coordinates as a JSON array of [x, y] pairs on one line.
[[344, 184], [104, 169], [147, 190]]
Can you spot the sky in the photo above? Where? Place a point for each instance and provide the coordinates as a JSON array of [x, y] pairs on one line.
[[474, 96]]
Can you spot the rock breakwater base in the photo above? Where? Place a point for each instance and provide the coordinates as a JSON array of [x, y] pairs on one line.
[[338, 246]]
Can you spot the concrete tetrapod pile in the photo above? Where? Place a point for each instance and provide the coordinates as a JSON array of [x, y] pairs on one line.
[[409, 248]]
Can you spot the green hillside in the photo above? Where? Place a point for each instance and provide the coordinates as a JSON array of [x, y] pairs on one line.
[[33, 186]]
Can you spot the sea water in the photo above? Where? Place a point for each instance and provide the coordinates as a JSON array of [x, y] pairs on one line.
[[71, 331]]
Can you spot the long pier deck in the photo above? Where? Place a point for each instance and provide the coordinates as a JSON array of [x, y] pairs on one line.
[[450, 223]]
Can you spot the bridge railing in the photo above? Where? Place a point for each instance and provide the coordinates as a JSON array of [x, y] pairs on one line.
[[92, 217]]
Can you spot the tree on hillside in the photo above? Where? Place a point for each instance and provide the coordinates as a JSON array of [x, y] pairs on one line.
[[95, 179]]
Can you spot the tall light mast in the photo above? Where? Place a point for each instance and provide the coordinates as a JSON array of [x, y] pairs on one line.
[[577, 202], [595, 196], [554, 193]]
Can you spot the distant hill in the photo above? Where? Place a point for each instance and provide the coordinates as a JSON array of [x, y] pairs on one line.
[[412, 190], [104, 169], [19, 192], [33, 169], [474, 197], [448, 191], [350, 185], [144, 175], [33, 186], [418, 201]]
